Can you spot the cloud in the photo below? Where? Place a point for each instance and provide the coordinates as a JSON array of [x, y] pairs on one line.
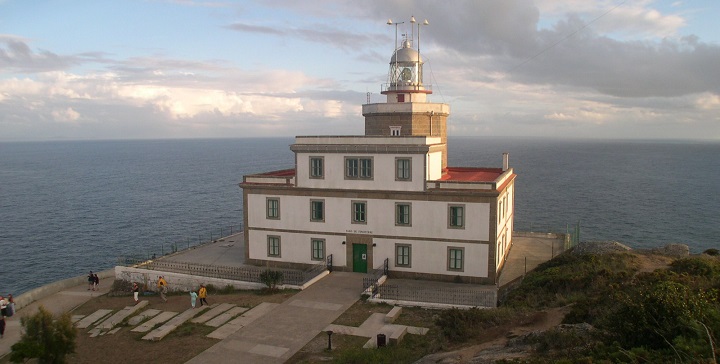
[[66, 115], [17, 56]]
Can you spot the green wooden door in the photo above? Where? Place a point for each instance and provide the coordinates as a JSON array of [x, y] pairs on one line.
[[360, 258]]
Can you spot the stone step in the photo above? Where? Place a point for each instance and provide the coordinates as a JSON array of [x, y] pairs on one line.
[[222, 318], [142, 316], [157, 320], [214, 311], [93, 318], [171, 325], [121, 315], [233, 326]]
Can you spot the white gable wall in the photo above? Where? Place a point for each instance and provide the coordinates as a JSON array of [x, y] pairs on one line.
[[383, 172]]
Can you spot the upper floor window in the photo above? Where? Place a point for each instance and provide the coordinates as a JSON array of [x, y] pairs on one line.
[[395, 130], [317, 210], [456, 216], [358, 168], [402, 169], [359, 212], [317, 167], [403, 214], [273, 208]]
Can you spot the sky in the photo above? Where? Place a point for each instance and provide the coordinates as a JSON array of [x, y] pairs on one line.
[[154, 69]]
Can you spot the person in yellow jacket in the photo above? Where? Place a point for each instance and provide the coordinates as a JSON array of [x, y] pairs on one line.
[[202, 295], [162, 288]]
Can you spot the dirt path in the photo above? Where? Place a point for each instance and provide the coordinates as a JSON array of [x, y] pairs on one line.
[[496, 347]]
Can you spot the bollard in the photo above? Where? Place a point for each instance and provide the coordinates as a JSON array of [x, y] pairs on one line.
[[381, 340], [329, 333]]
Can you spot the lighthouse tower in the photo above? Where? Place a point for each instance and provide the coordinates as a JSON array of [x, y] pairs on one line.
[[406, 111]]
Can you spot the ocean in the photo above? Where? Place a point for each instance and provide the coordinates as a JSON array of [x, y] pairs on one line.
[[68, 207]]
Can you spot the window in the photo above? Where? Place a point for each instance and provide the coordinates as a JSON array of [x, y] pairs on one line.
[[403, 214], [318, 249], [402, 169], [456, 216], [317, 167], [273, 246], [359, 212], [455, 258], [358, 168], [402, 255], [273, 208], [395, 130], [317, 210]]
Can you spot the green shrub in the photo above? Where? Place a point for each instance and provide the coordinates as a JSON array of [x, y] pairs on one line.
[[271, 278], [700, 266], [48, 339]]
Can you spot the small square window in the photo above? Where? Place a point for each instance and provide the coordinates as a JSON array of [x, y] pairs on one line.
[[402, 255], [318, 249], [403, 214], [317, 210], [273, 208], [456, 216], [317, 167], [402, 169], [273, 246], [456, 258], [359, 212]]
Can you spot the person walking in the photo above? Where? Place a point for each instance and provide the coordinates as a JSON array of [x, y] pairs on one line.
[[136, 292], [3, 307], [91, 281], [162, 288], [202, 294], [193, 297]]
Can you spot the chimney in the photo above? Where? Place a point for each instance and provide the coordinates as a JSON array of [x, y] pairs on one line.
[[506, 161]]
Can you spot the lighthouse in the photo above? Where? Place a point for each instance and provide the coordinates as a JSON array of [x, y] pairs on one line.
[[406, 110]]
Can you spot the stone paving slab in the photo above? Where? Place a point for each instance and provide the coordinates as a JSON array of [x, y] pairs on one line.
[[157, 320], [171, 325], [76, 318], [214, 311], [95, 332], [222, 318], [233, 326], [93, 318], [119, 316], [142, 316], [113, 331]]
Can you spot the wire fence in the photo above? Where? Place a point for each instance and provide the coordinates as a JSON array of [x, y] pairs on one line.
[[169, 247], [244, 273], [450, 296]]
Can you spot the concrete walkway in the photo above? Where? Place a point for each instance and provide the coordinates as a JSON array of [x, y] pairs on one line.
[[278, 335], [58, 303]]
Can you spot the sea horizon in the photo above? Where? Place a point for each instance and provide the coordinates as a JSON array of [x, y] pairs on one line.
[[72, 206]]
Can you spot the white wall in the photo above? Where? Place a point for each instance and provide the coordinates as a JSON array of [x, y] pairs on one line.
[[429, 218], [296, 247], [434, 166], [431, 257], [383, 172]]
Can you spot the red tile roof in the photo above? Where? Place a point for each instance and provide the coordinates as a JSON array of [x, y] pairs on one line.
[[465, 174], [280, 173]]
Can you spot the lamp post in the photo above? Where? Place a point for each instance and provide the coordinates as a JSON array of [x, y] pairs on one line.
[[419, 72], [395, 73]]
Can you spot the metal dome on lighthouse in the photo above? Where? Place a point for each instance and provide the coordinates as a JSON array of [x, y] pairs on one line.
[[405, 77], [406, 111]]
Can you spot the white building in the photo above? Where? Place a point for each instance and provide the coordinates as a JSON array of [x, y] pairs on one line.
[[387, 194]]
